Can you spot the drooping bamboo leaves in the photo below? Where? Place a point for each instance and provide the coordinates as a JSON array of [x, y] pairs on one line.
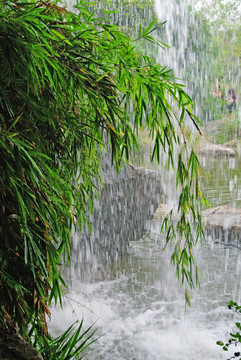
[[71, 85]]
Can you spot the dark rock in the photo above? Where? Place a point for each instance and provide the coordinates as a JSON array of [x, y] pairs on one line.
[[13, 347], [125, 204]]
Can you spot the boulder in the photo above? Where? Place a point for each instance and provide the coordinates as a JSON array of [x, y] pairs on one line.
[[206, 148], [220, 222], [13, 347], [126, 203], [163, 210]]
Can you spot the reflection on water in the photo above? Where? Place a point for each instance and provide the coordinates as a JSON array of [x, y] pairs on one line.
[[141, 309], [221, 182], [223, 185]]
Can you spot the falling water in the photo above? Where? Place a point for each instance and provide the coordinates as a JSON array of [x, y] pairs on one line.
[[187, 55], [140, 310], [137, 304]]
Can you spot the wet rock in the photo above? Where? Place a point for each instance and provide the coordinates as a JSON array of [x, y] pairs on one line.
[[221, 222], [13, 347], [163, 210], [126, 202], [234, 144], [206, 148]]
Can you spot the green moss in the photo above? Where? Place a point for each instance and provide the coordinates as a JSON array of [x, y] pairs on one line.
[[229, 131]]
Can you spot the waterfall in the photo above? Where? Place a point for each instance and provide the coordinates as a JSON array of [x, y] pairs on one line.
[[130, 288], [197, 46], [187, 53], [125, 203]]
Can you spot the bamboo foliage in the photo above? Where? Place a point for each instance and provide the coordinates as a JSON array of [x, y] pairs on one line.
[[70, 84]]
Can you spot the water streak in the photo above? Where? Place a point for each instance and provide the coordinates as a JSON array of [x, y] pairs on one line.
[[139, 305]]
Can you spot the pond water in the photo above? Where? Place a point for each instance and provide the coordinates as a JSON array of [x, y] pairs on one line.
[[223, 185], [140, 311]]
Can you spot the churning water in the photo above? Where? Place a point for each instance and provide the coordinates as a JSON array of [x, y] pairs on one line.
[[140, 311], [139, 306]]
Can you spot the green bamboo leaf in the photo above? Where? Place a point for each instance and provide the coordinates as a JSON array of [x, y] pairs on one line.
[[149, 28], [21, 205]]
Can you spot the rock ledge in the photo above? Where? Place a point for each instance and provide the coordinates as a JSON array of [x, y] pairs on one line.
[[221, 222]]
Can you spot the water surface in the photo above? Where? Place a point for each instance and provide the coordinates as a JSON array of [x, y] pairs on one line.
[[140, 309]]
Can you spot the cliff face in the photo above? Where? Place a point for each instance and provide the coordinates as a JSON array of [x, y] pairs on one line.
[[125, 204]]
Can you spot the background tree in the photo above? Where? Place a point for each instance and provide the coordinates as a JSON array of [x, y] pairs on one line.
[[219, 21], [69, 85]]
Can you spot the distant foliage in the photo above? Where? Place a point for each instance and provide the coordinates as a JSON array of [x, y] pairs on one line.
[[220, 23], [229, 130]]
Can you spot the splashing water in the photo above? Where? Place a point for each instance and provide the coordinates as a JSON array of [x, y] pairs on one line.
[[140, 310], [139, 306]]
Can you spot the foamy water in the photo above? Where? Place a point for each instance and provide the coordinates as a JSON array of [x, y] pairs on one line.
[[140, 312]]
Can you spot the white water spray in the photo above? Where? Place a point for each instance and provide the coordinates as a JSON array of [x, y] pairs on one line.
[[139, 308]]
